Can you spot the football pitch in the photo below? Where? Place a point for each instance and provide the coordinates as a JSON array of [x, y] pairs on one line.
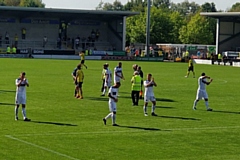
[[65, 128]]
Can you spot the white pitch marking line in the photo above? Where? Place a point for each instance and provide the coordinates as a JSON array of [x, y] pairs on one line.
[[136, 131], [43, 148]]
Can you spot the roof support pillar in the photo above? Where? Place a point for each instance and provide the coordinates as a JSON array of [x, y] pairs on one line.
[[124, 33], [217, 35]]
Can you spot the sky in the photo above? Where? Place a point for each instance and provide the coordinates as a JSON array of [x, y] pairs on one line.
[[92, 4]]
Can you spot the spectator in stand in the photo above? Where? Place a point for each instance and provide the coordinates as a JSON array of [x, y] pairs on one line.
[[83, 42], [97, 34], [127, 50], [77, 40], [72, 43], [23, 33], [16, 40], [45, 40], [198, 54], [8, 49], [59, 42], [88, 41], [14, 50], [93, 37], [0, 40], [7, 38]]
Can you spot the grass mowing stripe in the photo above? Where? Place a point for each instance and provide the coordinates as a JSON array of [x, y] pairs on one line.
[[107, 132], [43, 148]]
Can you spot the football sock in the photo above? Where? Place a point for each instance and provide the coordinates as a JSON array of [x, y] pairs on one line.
[[195, 103], [108, 116], [206, 103], [145, 109], [16, 111], [153, 108], [24, 112], [78, 92], [113, 118], [104, 91]]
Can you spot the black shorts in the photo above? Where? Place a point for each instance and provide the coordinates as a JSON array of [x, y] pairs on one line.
[[79, 84], [190, 68], [82, 61]]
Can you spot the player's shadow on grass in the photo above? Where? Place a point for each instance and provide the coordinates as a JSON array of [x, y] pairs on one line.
[[125, 93], [231, 112], [164, 100], [165, 107], [104, 98], [6, 91], [7, 104], [54, 123], [181, 118], [142, 128]]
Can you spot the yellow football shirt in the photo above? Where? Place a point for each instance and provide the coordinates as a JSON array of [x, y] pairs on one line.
[[190, 63], [80, 75], [82, 56]]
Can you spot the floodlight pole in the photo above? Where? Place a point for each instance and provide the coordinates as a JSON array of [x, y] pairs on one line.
[[148, 28]]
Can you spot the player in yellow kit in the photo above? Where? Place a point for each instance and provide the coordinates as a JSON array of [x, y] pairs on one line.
[[82, 55], [79, 79], [190, 68]]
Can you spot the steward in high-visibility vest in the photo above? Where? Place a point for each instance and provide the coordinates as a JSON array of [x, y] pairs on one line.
[[8, 50], [136, 88], [208, 56], [187, 54], [219, 58], [14, 50]]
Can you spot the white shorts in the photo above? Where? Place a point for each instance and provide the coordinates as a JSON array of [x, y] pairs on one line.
[[112, 106], [20, 98], [107, 84], [201, 94], [149, 98], [117, 80]]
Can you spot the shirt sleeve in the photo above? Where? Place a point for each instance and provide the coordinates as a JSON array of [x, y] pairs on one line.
[[145, 83], [110, 90], [16, 82]]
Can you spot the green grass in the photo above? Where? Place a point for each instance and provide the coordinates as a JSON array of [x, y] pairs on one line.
[[65, 128]]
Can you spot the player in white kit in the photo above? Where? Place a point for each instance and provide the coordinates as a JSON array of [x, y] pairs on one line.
[[108, 79], [201, 92], [118, 74], [149, 95], [21, 84], [112, 94]]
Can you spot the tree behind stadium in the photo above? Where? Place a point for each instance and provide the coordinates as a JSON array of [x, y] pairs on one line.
[[22, 3]]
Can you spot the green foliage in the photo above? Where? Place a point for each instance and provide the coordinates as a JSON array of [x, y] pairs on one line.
[[64, 128], [197, 31], [160, 27], [169, 21], [235, 7], [177, 21], [32, 3], [22, 3], [208, 7], [185, 8]]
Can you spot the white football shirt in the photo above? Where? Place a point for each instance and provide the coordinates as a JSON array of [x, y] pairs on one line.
[[22, 88], [117, 70], [114, 92], [201, 84], [107, 75], [149, 89]]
